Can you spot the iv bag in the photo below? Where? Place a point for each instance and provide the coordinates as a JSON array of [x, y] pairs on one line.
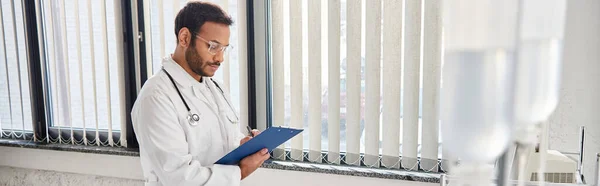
[[477, 78], [539, 60]]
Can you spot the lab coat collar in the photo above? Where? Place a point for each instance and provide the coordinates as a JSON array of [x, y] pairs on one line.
[[180, 76]]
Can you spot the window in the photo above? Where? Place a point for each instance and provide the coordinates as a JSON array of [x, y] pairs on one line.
[[15, 106], [386, 101], [71, 57], [89, 66]]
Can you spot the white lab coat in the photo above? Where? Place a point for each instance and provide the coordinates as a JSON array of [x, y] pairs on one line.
[[172, 151]]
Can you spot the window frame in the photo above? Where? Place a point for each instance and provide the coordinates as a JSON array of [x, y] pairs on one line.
[[263, 22], [259, 64], [36, 78]]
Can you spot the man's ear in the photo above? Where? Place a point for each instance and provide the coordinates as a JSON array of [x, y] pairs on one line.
[[184, 37]]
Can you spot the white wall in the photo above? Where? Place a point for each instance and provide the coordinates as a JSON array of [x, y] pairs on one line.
[[20, 176], [22, 166], [580, 94]]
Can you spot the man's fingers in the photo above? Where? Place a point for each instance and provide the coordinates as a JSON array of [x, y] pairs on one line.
[[263, 151], [264, 154], [255, 132], [266, 157], [259, 155], [261, 158], [245, 139]]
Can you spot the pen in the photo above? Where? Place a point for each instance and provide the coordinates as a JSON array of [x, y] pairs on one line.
[[250, 131]]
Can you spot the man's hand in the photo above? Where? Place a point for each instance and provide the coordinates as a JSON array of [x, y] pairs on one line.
[[250, 163], [248, 138]]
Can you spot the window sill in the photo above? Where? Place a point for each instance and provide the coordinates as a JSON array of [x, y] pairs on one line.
[[70, 148], [354, 171], [272, 164]]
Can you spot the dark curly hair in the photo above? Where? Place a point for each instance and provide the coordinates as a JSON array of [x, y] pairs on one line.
[[196, 13]]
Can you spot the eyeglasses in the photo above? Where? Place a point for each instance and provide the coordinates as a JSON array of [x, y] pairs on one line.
[[214, 47]]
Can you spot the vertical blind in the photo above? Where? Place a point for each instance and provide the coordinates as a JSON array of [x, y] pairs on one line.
[[392, 71], [14, 76], [361, 77], [84, 79], [432, 67]]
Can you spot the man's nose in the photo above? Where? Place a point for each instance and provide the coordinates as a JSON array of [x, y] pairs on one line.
[[219, 57]]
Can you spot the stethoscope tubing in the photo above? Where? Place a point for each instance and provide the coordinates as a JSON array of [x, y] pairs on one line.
[[194, 118]]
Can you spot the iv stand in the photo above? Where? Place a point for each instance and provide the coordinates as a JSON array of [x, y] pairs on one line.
[[504, 170]]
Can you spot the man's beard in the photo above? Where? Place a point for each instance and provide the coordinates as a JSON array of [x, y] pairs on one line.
[[194, 61]]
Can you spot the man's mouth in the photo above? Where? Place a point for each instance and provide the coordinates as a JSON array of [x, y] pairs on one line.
[[214, 66]]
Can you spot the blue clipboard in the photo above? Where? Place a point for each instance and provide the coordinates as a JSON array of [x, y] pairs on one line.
[[270, 139]]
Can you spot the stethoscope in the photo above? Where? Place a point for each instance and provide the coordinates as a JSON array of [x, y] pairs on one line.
[[193, 118]]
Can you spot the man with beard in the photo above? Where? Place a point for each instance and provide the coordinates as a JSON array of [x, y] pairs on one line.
[[183, 119]]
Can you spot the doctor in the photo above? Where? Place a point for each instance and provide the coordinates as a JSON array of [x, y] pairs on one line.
[[183, 119]]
